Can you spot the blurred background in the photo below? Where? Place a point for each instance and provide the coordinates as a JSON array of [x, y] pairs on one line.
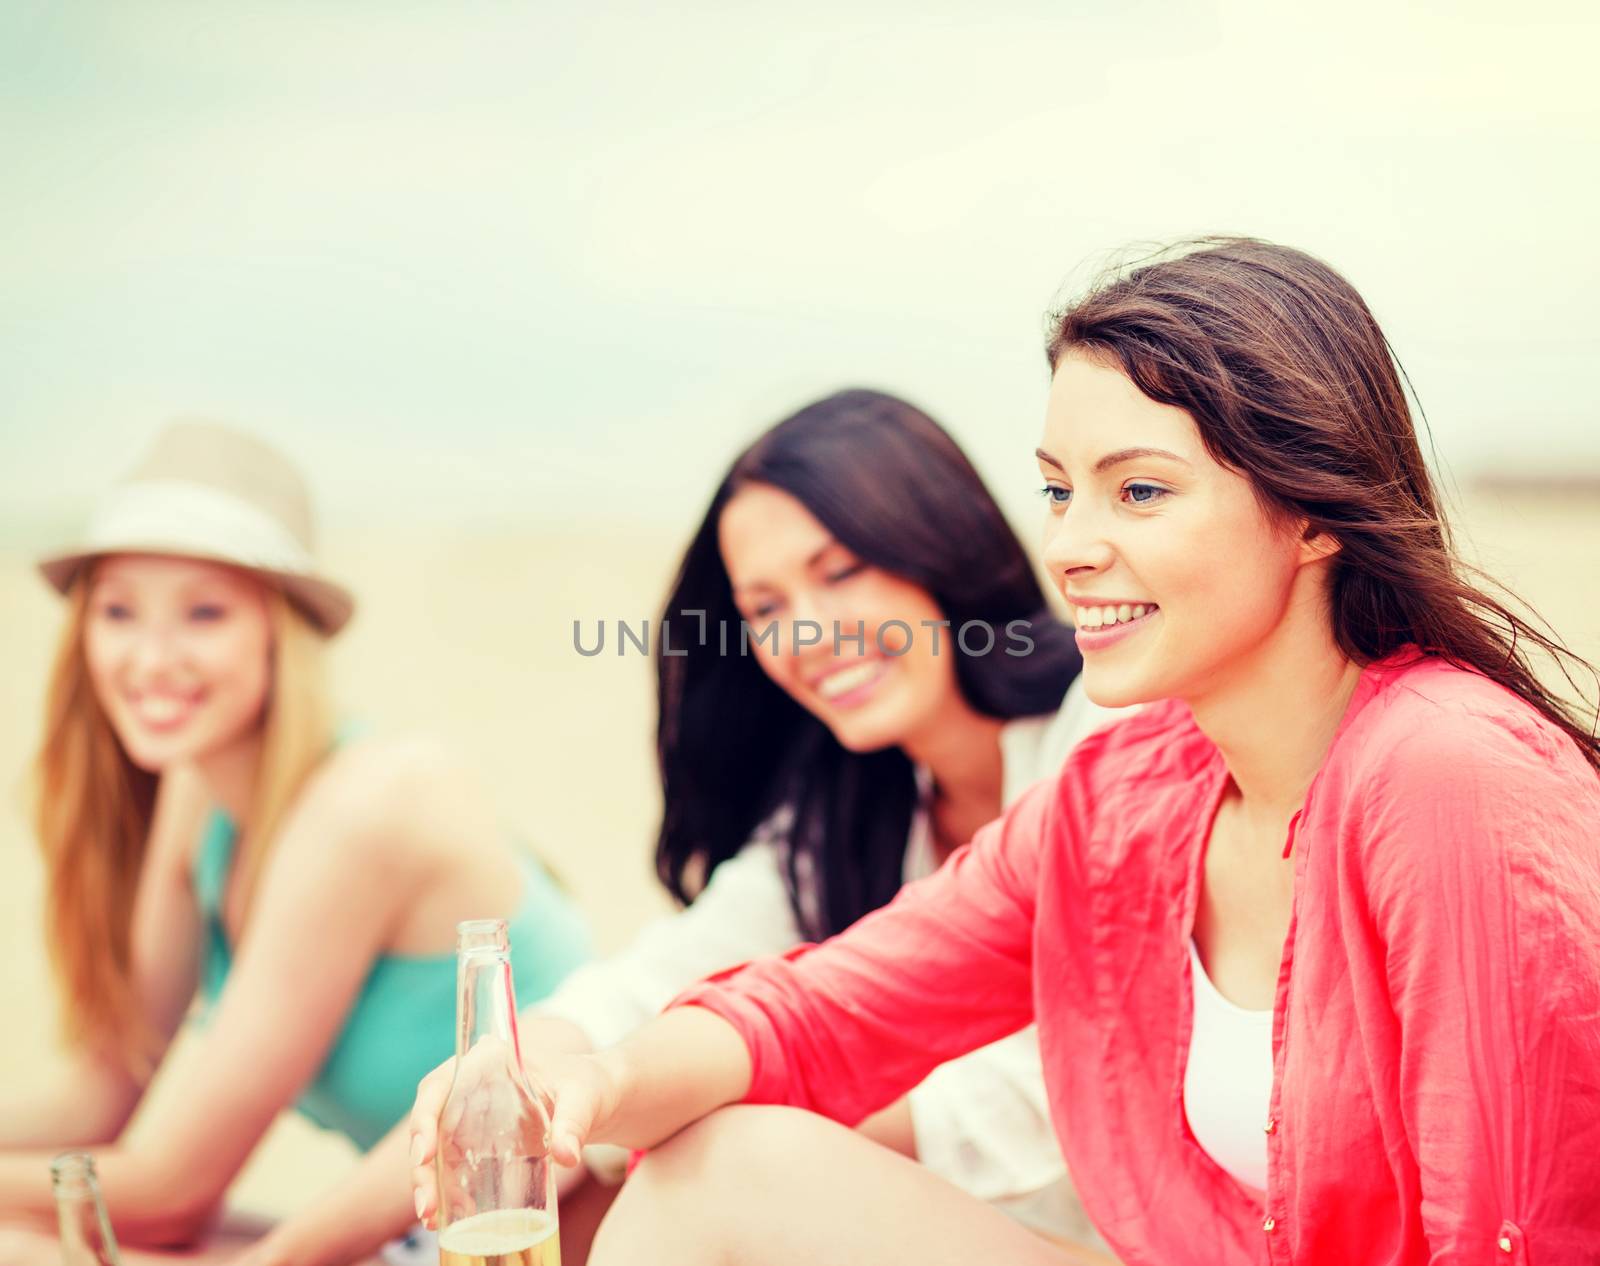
[[514, 282]]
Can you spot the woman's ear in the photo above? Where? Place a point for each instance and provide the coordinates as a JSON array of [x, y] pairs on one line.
[[1316, 545]]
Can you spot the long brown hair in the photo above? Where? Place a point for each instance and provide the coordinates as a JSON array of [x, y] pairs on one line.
[[93, 812], [1291, 383], [733, 746]]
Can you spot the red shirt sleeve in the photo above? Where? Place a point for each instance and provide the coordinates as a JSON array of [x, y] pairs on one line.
[[846, 1027], [1482, 859]]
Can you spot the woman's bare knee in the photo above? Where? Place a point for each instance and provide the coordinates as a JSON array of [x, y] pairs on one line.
[[742, 1147], [780, 1186], [701, 1184]]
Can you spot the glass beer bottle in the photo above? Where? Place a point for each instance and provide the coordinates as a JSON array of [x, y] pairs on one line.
[[497, 1198], [86, 1236]]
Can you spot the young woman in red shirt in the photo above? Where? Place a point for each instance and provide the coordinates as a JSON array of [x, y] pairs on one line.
[[1309, 939]]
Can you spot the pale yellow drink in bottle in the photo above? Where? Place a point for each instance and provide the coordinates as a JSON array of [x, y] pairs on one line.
[[497, 1195], [503, 1237]]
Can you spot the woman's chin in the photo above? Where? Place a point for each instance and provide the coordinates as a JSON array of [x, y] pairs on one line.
[[1112, 689], [872, 730], [864, 741], [153, 758], [156, 753]]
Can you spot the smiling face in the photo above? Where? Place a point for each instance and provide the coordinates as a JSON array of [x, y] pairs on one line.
[[179, 652], [784, 566], [1177, 576]]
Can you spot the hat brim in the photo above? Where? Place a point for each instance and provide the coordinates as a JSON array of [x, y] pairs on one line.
[[328, 606]]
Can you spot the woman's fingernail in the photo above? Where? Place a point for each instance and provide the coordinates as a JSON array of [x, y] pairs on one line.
[[421, 1204], [416, 1149]]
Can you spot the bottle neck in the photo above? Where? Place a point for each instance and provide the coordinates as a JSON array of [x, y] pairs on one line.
[[86, 1235], [486, 1001]]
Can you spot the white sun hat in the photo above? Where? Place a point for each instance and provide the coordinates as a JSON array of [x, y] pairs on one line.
[[210, 492]]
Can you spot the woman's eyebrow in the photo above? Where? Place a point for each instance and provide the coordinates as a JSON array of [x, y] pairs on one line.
[[1130, 454], [1116, 458]]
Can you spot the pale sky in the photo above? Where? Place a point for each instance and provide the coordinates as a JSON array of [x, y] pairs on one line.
[[510, 259]]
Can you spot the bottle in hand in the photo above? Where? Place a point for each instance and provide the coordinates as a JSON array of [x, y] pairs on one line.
[[497, 1201]]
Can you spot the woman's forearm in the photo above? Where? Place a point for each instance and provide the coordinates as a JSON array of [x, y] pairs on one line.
[[675, 1070], [548, 1034], [150, 1203]]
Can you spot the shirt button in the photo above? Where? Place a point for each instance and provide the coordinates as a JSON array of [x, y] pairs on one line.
[[1268, 1225], [1272, 1124], [1505, 1243]]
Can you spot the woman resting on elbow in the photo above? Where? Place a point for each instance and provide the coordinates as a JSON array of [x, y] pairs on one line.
[[1309, 940], [207, 835]]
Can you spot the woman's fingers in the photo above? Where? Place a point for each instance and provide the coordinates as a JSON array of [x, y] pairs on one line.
[[431, 1093], [425, 1194], [576, 1103], [574, 1091]]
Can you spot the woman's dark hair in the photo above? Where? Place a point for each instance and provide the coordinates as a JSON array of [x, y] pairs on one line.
[[891, 486], [1292, 384]]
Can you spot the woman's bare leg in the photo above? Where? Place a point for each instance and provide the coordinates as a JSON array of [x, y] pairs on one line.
[[757, 1186]]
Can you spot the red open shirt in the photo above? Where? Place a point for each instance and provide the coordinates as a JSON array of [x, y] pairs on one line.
[[1436, 1034]]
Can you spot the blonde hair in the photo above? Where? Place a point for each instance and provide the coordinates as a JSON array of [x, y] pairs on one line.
[[93, 814]]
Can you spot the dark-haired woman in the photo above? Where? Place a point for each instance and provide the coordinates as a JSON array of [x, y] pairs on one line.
[[1351, 808], [858, 672]]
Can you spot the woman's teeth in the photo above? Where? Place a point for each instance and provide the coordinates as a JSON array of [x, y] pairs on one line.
[[1105, 617], [162, 709], [848, 679]]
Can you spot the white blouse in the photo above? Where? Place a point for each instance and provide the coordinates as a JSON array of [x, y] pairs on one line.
[[1227, 1085], [981, 1121]]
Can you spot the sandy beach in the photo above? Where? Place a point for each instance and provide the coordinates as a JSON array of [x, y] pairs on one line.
[[469, 637]]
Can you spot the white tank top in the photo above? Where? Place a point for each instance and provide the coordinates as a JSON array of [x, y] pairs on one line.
[[1227, 1085]]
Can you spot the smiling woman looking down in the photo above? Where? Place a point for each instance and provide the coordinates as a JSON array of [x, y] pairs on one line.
[[1350, 804]]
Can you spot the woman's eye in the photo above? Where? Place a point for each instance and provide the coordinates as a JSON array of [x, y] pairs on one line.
[[115, 611], [1055, 494], [844, 573], [1144, 494], [760, 612], [207, 612]]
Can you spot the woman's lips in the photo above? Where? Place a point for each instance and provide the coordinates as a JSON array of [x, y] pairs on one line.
[[846, 687], [162, 713], [1098, 639]]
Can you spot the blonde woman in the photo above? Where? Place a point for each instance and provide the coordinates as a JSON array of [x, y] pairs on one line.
[[209, 834]]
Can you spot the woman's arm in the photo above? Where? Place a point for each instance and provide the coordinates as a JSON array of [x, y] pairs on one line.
[[1483, 869], [675, 1070], [87, 1101], [94, 1092], [847, 1027], [316, 927], [842, 1028]]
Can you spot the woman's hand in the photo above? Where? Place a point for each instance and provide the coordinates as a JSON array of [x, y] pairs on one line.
[[582, 1093]]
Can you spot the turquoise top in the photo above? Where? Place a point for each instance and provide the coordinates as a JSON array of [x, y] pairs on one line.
[[402, 1024]]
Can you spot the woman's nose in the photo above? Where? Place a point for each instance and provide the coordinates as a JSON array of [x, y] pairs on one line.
[[1075, 543], [153, 655], [811, 633]]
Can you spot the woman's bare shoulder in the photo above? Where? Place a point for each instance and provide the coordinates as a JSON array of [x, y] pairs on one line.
[[406, 795]]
